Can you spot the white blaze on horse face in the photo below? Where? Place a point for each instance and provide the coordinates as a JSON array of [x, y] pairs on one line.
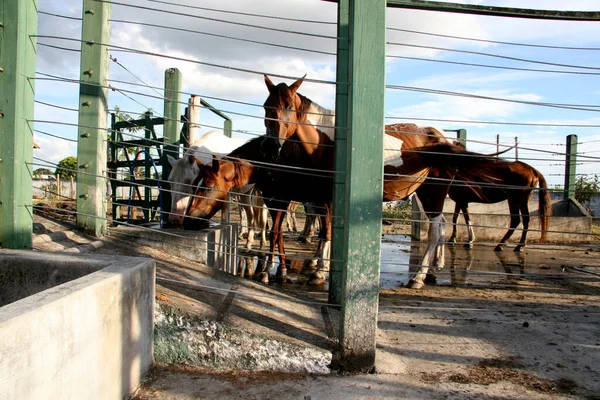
[[392, 154]]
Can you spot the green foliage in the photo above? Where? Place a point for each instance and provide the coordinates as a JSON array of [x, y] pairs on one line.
[[67, 168], [398, 211], [585, 189], [41, 171]]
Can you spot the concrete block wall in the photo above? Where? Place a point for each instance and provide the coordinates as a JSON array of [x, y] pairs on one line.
[[569, 222], [90, 338]]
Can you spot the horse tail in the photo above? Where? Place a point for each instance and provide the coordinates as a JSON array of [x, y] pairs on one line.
[[545, 204]]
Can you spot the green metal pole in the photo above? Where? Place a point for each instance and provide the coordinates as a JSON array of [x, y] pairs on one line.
[[227, 128], [93, 120], [338, 249], [570, 167], [171, 131], [364, 188], [461, 135], [17, 63]]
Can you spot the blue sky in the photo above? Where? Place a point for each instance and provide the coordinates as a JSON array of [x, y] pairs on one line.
[[223, 87]]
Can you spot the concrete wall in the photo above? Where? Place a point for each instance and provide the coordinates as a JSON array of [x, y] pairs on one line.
[[569, 222], [215, 246], [90, 338]]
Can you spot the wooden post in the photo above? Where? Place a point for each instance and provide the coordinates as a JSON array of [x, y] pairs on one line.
[[497, 145], [171, 133], [363, 184], [570, 167], [17, 60], [92, 131], [194, 119], [516, 148]]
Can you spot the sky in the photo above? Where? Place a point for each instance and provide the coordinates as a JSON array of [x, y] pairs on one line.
[[223, 52]]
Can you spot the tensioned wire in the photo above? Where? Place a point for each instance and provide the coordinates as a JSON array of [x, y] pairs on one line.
[[315, 214], [169, 234], [412, 118], [390, 56]]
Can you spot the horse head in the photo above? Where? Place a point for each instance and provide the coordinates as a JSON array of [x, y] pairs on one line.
[[282, 114], [182, 175], [211, 186]]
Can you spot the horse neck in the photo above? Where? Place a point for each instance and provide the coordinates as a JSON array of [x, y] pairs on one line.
[[322, 118]]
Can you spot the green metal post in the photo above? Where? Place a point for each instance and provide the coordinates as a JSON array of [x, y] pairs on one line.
[[461, 135], [570, 167], [17, 63], [171, 131], [227, 128], [363, 184], [338, 251], [93, 120]]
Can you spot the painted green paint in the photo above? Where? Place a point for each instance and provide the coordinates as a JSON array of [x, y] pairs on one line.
[[17, 60], [461, 135], [227, 128], [364, 185], [570, 167], [171, 129], [93, 120], [338, 248]]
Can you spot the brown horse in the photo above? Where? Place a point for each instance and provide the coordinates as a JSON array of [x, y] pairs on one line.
[[416, 159], [516, 183]]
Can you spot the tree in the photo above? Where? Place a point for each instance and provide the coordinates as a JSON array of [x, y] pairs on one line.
[[586, 189], [41, 171], [67, 168]]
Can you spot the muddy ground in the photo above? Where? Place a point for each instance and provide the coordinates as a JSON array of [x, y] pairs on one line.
[[509, 326]]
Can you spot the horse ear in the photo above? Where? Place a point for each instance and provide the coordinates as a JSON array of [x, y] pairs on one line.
[[297, 84], [171, 160], [269, 83], [215, 164]]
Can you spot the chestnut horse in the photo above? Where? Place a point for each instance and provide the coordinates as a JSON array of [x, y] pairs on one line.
[[516, 183], [304, 170]]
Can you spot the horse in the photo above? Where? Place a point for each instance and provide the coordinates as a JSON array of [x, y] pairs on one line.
[[253, 213], [311, 222], [292, 142], [517, 181]]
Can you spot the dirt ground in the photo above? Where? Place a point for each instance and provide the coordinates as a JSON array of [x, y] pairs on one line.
[[494, 326]]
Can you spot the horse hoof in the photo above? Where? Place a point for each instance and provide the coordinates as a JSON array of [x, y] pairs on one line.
[[413, 284], [309, 267], [281, 276], [468, 245], [317, 279], [498, 248], [451, 242], [519, 249], [263, 277]]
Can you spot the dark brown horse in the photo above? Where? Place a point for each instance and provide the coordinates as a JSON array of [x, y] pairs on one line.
[[416, 159], [516, 182]]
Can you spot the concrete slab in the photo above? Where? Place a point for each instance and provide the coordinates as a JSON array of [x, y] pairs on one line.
[[85, 331]]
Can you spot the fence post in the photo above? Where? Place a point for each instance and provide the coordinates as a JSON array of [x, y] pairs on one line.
[[461, 135], [193, 119], [364, 169], [17, 51], [570, 167], [93, 130], [171, 133]]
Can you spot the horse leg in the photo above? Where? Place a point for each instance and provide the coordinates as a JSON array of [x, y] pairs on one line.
[[263, 216], [515, 219], [251, 222], [281, 274], [324, 256], [433, 237], [308, 231], [452, 239], [467, 218], [525, 215]]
